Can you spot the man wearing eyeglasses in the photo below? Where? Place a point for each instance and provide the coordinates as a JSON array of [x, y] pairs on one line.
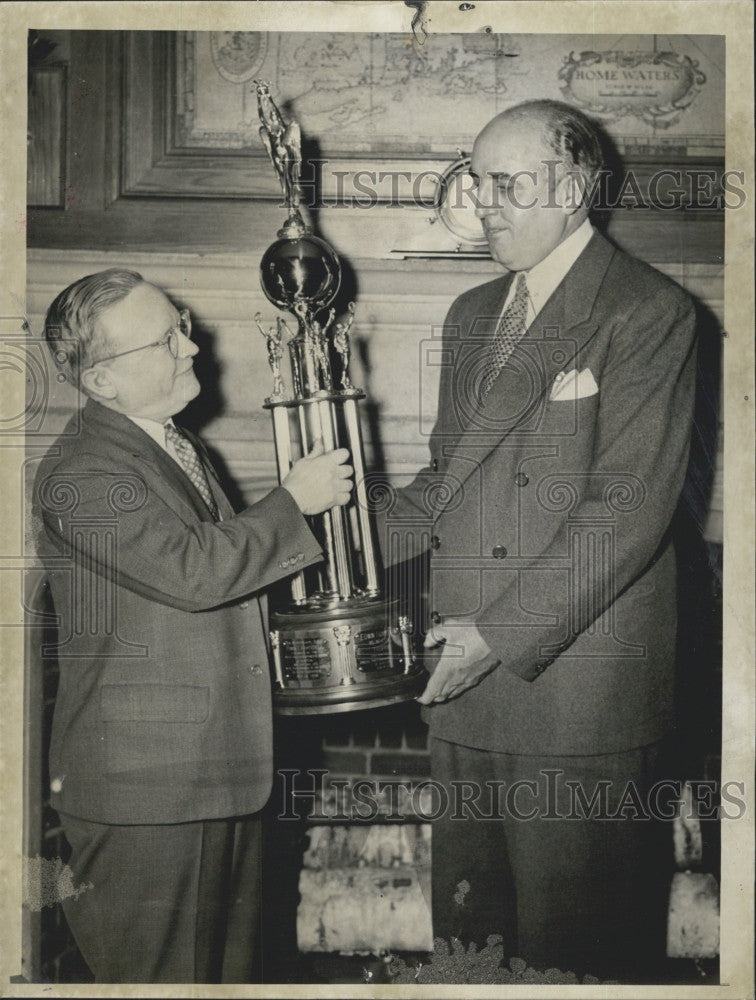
[[160, 757]]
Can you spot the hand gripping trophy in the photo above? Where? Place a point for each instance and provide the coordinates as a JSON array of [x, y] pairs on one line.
[[338, 645]]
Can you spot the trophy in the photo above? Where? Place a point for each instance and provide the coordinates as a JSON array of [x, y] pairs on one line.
[[339, 644]]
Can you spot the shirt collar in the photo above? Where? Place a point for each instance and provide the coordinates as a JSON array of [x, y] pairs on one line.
[[155, 428], [543, 278]]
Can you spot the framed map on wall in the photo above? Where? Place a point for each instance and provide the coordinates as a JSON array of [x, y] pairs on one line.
[[384, 94], [378, 99]]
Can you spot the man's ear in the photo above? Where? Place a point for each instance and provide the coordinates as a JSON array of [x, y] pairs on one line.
[[570, 192], [98, 382]]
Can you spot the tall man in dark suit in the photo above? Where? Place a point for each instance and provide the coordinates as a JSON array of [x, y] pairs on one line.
[[558, 456], [160, 755]]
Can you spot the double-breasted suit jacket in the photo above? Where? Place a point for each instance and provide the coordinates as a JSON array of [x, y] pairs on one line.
[[548, 508], [163, 712]]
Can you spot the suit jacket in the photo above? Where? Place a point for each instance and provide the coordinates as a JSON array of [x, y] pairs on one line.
[[163, 711], [549, 517]]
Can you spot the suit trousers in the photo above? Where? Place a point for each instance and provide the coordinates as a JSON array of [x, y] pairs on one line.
[[173, 903], [519, 851]]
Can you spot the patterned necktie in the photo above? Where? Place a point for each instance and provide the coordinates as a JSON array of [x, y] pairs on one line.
[[192, 465], [508, 334]]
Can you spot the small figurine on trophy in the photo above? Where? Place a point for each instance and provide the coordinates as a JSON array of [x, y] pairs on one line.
[[319, 342], [341, 344], [283, 143], [273, 339]]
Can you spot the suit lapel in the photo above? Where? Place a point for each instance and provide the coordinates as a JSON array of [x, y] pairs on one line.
[[552, 344], [470, 354], [113, 430]]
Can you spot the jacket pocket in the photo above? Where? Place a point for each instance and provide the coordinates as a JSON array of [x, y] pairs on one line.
[[154, 703]]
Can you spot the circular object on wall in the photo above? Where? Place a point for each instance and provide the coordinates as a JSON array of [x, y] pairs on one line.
[[455, 204]]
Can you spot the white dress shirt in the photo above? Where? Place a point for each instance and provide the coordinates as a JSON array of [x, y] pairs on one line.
[[543, 278], [156, 430]]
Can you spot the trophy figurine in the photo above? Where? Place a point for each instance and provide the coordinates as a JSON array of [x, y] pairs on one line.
[[339, 644]]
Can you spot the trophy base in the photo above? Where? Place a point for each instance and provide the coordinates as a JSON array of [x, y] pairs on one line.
[[342, 658], [289, 703]]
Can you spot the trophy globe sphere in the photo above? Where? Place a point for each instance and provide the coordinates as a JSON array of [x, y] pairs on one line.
[[303, 269]]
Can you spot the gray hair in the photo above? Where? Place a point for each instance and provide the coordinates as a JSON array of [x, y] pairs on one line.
[[72, 332]]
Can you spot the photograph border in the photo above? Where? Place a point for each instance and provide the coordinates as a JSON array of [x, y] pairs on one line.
[[734, 20]]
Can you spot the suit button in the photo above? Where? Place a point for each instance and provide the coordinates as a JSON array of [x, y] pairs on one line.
[[256, 669], [436, 618], [435, 542], [56, 786], [434, 465], [244, 604], [521, 479], [499, 552]]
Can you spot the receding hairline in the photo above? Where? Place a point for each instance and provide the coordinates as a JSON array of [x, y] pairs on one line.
[[497, 128], [536, 115]]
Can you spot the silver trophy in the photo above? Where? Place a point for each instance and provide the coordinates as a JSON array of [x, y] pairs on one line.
[[339, 644]]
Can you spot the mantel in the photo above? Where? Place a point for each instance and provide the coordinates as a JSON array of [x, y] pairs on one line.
[[247, 228]]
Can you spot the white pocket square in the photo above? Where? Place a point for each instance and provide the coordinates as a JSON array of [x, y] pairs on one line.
[[574, 385]]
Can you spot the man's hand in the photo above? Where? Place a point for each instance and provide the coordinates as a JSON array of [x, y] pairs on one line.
[[464, 661], [320, 480]]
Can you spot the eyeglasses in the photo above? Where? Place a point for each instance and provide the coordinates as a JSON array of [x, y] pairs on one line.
[[170, 340]]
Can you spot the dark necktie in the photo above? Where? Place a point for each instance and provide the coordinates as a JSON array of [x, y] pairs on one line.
[[508, 334], [192, 465]]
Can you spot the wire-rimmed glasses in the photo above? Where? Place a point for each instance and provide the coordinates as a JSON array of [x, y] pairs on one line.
[[169, 340]]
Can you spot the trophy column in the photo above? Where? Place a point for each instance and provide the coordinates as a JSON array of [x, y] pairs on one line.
[[338, 645]]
